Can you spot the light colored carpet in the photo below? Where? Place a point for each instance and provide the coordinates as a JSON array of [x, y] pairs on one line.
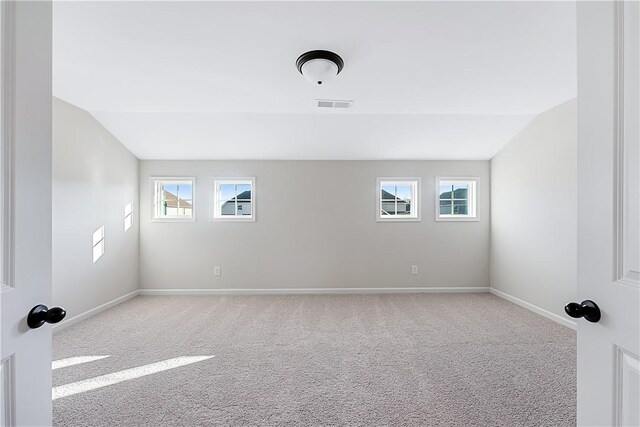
[[362, 360]]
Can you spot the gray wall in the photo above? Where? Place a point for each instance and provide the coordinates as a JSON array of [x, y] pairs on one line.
[[94, 176], [534, 212], [300, 241]]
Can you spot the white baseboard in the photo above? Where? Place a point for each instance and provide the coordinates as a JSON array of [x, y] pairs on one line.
[[312, 291], [541, 311], [82, 316]]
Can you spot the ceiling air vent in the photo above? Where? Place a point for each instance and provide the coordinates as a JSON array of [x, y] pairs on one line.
[[334, 103]]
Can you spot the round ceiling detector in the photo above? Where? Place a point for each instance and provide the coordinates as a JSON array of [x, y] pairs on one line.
[[319, 66]]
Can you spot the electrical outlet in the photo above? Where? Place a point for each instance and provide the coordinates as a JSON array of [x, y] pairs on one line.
[[216, 270], [414, 269]]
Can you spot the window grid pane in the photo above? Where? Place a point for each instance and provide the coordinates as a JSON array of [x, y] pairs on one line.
[[233, 199], [445, 207], [456, 198], [396, 198], [174, 199]]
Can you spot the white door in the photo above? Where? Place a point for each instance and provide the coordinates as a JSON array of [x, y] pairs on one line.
[[25, 211], [608, 211]]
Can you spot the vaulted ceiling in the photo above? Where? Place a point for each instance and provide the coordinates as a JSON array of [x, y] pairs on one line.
[[216, 80]]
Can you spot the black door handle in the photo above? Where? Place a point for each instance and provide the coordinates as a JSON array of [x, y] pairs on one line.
[[41, 314], [587, 309]]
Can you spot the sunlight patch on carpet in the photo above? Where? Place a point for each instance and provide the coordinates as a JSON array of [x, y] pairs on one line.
[[125, 375], [71, 361]]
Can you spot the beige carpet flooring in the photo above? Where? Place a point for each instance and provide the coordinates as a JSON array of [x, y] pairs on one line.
[[315, 360]]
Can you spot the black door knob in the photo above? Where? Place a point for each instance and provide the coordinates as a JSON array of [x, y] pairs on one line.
[[41, 314], [587, 309]]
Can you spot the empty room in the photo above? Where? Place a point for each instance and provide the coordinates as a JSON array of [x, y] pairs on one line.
[[312, 213]]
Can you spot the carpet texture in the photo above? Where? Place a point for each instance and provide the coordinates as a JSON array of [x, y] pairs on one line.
[[312, 360]]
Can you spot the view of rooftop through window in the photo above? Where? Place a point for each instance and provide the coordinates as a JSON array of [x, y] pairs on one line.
[[173, 199], [235, 199], [398, 199], [454, 198], [395, 199], [177, 200]]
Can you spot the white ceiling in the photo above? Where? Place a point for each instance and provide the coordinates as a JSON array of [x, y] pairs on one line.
[[216, 80]]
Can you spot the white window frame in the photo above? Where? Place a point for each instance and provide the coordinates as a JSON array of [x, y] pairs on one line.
[[416, 184], [472, 198], [128, 216], [216, 208], [171, 180]]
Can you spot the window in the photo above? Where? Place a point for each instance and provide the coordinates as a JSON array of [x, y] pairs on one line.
[[456, 199], [98, 243], [397, 199], [234, 199], [128, 216], [173, 199]]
